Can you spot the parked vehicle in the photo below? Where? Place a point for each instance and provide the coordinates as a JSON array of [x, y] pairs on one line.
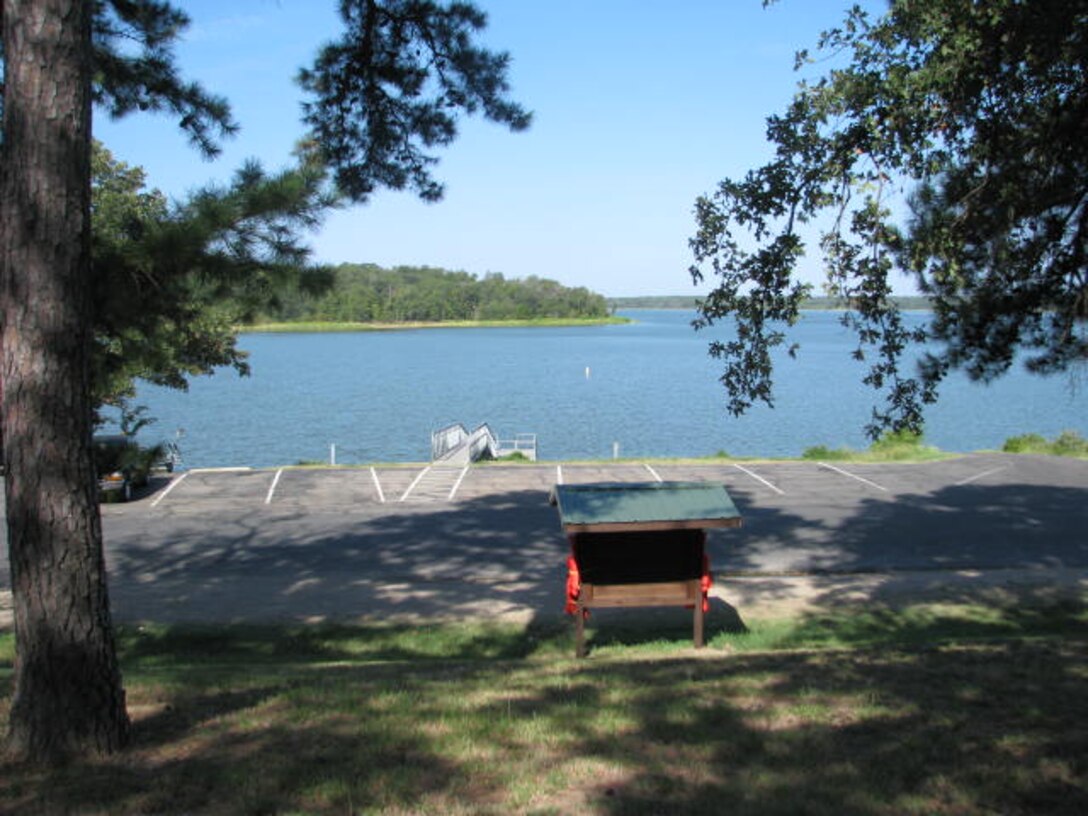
[[122, 466], [169, 458]]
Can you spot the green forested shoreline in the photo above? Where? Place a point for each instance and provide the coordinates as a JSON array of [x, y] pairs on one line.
[[357, 296], [332, 326], [370, 294]]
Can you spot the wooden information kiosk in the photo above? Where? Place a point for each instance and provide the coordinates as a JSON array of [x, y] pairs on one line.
[[640, 544]]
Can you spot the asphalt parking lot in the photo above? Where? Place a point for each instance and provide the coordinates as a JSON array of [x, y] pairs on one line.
[[418, 541]]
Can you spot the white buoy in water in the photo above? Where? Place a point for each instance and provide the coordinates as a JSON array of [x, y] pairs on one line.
[[587, 372]]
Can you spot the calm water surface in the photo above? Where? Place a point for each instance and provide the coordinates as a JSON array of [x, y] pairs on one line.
[[650, 387]]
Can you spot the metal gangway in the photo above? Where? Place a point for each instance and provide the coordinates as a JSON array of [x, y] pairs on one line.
[[455, 445]]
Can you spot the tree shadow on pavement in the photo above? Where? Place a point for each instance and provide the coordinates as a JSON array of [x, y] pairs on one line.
[[1006, 544], [502, 557]]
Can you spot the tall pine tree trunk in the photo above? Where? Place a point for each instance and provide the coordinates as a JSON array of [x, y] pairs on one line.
[[68, 697]]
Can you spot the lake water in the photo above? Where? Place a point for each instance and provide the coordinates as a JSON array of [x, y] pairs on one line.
[[648, 387]]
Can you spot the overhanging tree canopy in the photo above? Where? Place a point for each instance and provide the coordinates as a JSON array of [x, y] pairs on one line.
[[172, 281], [949, 145], [57, 55], [394, 86]]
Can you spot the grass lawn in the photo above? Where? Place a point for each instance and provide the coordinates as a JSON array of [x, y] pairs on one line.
[[935, 710]]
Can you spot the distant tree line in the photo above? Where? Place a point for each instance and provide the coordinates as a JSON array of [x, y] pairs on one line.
[[689, 302], [913, 302], [368, 293]]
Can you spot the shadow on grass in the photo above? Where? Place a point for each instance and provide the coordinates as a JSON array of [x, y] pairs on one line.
[[243, 646], [845, 627], [204, 755], [967, 621], [987, 726], [931, 731], [658, 628]]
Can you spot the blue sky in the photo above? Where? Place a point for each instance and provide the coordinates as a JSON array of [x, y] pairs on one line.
[[639, 107]]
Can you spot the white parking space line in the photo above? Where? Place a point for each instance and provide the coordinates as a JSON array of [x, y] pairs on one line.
[[861, 479], [653, 473], [982, 475], [760, 479], [272, 489], [170, 487], [457, 484], [378, 485], [412, 486]]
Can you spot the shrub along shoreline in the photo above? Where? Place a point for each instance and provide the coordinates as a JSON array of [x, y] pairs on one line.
[[892, 447]]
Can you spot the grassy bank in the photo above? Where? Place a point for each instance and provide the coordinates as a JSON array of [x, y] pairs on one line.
[[1067, 443], [319, 327], [931, 710], [901, 446], [907, 447], [896, 447]]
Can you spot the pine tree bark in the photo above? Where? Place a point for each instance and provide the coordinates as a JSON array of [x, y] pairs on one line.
[[68, 698]]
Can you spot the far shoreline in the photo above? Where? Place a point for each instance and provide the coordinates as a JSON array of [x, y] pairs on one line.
[[315, 327]]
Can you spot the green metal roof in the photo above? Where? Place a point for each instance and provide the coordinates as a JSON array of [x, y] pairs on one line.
[[620, 506]]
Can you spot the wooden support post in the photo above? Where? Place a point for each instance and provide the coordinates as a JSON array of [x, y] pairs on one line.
[[699, 620], [671, 593], [580, 631]]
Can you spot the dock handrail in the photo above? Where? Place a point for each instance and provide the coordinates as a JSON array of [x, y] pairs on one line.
[[482, 443], [523, 443], [447, 439], [454, 444]]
